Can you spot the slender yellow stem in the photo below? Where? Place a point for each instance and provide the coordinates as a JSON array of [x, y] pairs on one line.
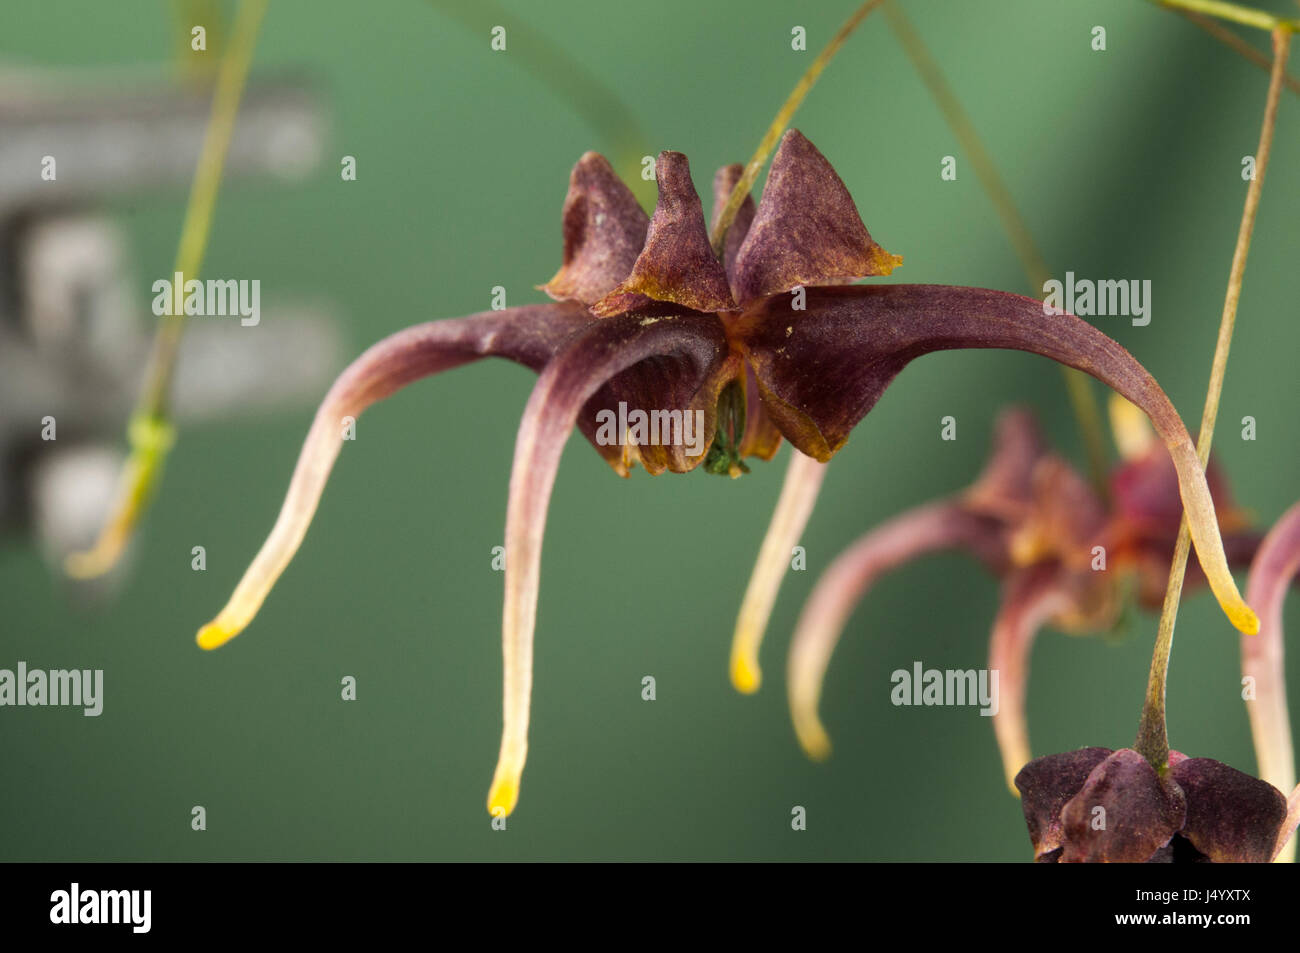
[[1246, 16], [1229, 39], [1086, 410], [150, 431], [1153, 737], [783, 117]]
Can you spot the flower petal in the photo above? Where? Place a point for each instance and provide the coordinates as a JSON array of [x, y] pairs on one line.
[[1286, 836], [1030, 598], [724, 183], [604, 231], [1263, 656], [528, 335], [803, 481], [1005, 486], [762, 439], [591, 358], [1065, 520], [1231, 817], [820, 374], [807, 230], [1046, 785], [945, 524], [677, 263], [1124, 813]]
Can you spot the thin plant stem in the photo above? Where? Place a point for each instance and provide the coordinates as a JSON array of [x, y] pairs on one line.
[[1229, 39], [150, 431], [572, 80], [1084, 402], [1246, 16], [1153, 737], [783, 117]]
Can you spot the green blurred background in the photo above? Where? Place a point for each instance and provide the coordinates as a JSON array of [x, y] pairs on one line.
[[1126, 164]]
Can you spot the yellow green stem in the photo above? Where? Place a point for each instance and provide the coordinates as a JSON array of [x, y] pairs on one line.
[[778, 126], [1246, 16], [1153, 736], [150, 432], [1235, 43]]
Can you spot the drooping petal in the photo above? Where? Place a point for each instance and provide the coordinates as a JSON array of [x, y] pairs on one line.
[[946, 524], [1263, 656], [820, 374], [1046, 785], [1123, 813], [603, 350], [807, 230], [1145, 494], [1231, 817], [1150, 558], [677, 263], [803, 481], [604, 231], [1030, 598], [528, 335], [724, 183]]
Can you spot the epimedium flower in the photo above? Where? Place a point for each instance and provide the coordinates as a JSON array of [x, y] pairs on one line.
[[1096, 805], [1063, 556], [767, 341]]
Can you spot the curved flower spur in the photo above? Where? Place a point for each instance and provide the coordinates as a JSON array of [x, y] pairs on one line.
[[767, 342], [1062, 555]]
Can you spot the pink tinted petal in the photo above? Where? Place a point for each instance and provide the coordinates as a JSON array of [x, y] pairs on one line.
[[930, 528], [603, 350], [528, 335], [1005, 486], [1029, 599], [1263, 656]]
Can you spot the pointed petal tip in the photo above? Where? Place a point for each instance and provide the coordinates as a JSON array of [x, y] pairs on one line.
[[746, 676], [806, 231], [676, 263], [503, 795], [604, 228], [813, 739], [1243, 617], [216, 634]]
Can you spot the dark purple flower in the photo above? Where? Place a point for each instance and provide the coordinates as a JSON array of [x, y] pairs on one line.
[[768, 342], [1095, 805]]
